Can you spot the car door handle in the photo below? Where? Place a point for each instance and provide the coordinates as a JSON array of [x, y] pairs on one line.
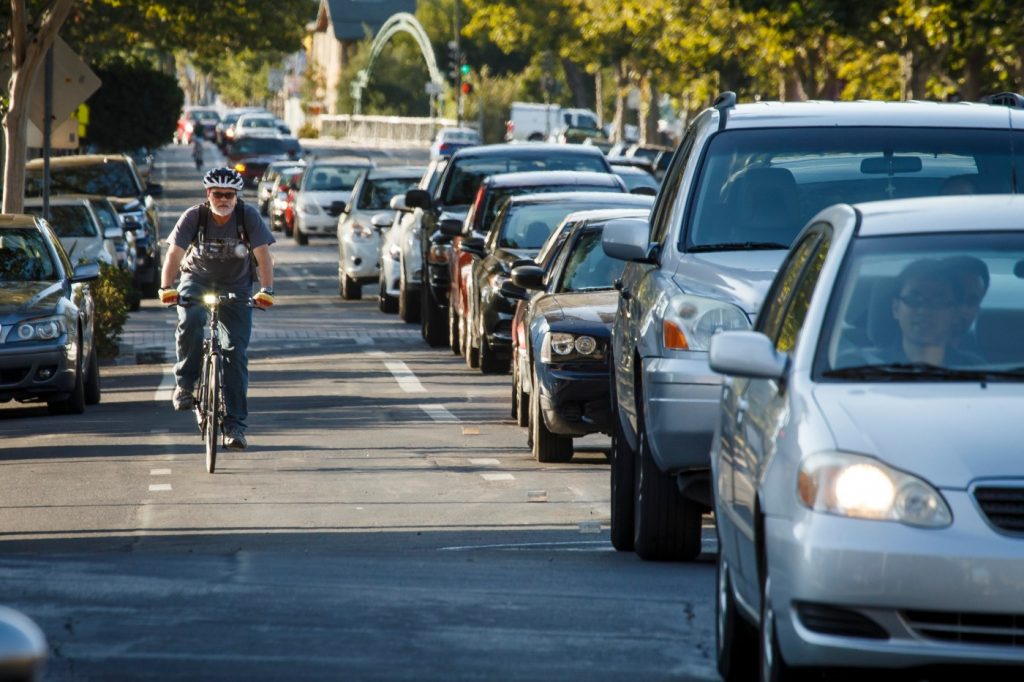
[[741, 409]]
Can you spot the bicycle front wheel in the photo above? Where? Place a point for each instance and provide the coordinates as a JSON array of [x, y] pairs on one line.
[[212, 412]]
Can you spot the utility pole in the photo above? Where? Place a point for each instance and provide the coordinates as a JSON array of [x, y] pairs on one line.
[[456, 21]]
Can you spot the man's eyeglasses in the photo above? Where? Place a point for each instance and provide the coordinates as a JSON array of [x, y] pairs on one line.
[[916, 302], [222, 195]]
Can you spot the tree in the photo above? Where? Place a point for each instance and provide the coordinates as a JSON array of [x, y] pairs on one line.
[[149, 99], [28, 41]]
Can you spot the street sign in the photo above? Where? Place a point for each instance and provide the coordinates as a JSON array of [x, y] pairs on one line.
[[63, 136], [73, 83]]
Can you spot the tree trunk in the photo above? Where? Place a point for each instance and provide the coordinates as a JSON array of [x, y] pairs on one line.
[[649, 113], [599, 97], [579, 85], [27, 52], [621, 88], [973, 66]]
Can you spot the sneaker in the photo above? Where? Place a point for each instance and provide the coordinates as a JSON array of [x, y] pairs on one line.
[[235, 439], [183, 399]]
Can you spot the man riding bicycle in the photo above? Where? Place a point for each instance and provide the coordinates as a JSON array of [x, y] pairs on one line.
[[213, 246]]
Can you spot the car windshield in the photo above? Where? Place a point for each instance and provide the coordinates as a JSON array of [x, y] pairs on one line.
[[527, 226], [106, 214], [927, 308], [68, 221], [496, 196], [633, 177], [467, 174], [109, 178], [588, 268], [377, 192], [761, 186], [257, 123], [268, 146], [332, 178], [24, 256]]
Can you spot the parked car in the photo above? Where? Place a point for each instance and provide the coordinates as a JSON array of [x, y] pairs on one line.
[[359, 241], [563, 360], [326, 188], [867, 490], [115, 177], [251, 155], [453, 196], [269, 182], [48, 352], [743, 182], [78, 227], [517, 233], [390, 226], [192, 119], [449, 140], [638, 180], [489, 198], [121, 247], [224, 131]]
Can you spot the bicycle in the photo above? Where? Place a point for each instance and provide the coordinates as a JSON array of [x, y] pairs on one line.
[[210, 407]]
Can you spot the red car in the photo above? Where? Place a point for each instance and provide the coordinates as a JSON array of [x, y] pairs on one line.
[[193, 119]]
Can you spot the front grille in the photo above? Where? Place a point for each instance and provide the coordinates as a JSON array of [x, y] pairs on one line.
[[13, 375], [830, 620], [1003, 506], [969, 628]]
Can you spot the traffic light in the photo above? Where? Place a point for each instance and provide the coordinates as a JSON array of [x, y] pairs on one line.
[[464, 69], [454, 61], [467, 88]]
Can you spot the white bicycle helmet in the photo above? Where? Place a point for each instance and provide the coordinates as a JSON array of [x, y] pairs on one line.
[[223, 178]]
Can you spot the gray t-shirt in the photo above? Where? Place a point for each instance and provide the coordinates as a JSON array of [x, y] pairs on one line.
[[222, 261]]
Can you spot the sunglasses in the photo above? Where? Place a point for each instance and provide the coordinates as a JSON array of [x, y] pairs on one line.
[[222, 195]]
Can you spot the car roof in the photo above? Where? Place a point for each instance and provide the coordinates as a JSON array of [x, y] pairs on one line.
[[599, 216], [872, 113], [13, 220], [582, 197], [63, 199], [526, 149], [941, 214], [342, 161], [557, 177], [79, 160], [397, 172], [629, 169]]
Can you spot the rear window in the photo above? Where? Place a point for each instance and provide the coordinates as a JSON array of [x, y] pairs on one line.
[[496, 198], [377, 193], [588, 268], [466, 174], [264, 146], [332, 178], [68, 221], [24, 257], [762, 186], [528, 226]]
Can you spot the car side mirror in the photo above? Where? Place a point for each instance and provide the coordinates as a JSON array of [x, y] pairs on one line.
[[529, 277], [381, 221], [154, 189], [627, 239], [746, 354], [113, 233], [473, 246], [397, 203], [85, 272], [336, 208], [451, 227], [418, 198], [513, 291], [23, 646]]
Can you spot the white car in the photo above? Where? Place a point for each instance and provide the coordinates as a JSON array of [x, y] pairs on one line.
[[448, 140], [325, 190], [359, 241], [78, 227], [257, 124], [390, 255]]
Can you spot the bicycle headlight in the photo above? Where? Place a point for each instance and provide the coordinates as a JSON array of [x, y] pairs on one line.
[[209, 299], [689, 322], [862, 487], [38, 330]]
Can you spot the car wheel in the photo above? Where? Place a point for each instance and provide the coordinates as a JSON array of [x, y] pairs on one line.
[[547, 446], [469, 352], [453, 329], [773, 667], [300, 237], [520, 399], [350, 289], [387, 304], [735, 638], [623, 482], [407, 310], [491, 362], [432, 321], [74, 403], [666, 525], [92, 380]]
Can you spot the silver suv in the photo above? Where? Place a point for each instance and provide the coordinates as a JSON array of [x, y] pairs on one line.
[[742, 183]]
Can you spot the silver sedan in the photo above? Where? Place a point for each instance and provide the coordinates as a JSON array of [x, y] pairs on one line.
[[868, 482]]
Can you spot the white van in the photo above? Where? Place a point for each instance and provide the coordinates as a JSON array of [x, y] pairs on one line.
[[535, 122]]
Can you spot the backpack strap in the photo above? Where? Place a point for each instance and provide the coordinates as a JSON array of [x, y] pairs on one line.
[[204, 219]]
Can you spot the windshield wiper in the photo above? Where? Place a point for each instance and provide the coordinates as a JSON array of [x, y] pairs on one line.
[[739, 246], [908, 370]]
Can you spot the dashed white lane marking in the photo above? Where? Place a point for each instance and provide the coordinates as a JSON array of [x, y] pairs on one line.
[[439, 413], [159, 472], [404, 376], [484, 461], [159, 487], [166, 387], [498, 477]]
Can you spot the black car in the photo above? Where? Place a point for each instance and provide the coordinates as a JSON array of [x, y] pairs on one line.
[[250, 156], [517, 234], [451, 200], [47, 346], [564, 366]]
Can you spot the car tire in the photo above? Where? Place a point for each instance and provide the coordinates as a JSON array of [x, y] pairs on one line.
[[469, 353], [491, 362], [623, 483], [407, 310], [773, 668], [453, 330], [74, 403], [736, 640], [432, 321], [350, 289], [387, 304], [520, 399], [666, 525], [299, 236], [547, 447], [93, 391]]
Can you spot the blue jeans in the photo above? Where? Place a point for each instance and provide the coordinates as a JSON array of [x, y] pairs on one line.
[[235, 331]]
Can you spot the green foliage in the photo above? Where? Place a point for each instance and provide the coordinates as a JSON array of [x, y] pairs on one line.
[[135, 107], [396, 85], [308, 130], [243, 77], [111, 295]]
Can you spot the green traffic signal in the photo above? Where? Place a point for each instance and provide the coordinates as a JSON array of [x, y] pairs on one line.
[[464, 69]]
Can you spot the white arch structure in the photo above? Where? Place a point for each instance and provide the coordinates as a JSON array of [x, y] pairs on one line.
[[402, 22]]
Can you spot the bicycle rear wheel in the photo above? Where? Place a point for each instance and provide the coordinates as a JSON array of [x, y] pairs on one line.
[[212, 412]]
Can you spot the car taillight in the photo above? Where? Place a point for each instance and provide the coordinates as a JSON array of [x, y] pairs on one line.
[[188, 128], [509, 127], [444, 148]]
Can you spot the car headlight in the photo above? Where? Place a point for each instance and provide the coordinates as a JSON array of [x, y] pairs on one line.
[[861, 487], [310, 207], [37, 330], [689, 322], [565, 347], [240, 167], [438, 254], [360, 230]]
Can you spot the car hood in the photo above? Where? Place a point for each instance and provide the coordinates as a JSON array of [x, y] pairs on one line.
[[18, 299], [591, 312], [739, 277], [326, 198], [947, 433]]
